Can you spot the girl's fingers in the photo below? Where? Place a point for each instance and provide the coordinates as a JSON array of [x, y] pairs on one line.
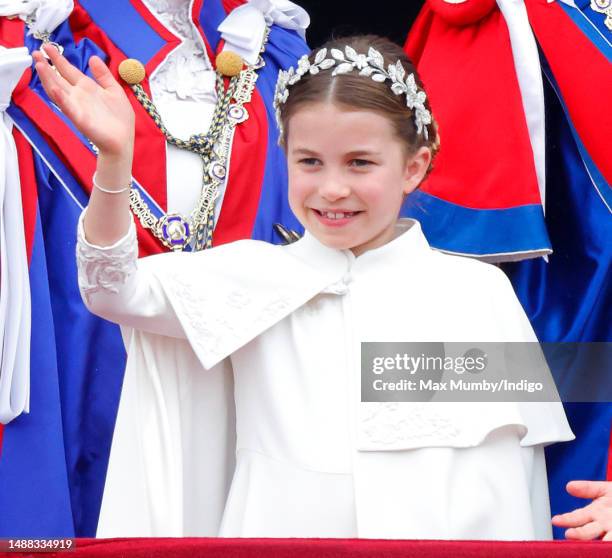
[[37, 55], [587, 532], [101, 73], [65, 68], [575, 518], [57, 88], [57, 95]]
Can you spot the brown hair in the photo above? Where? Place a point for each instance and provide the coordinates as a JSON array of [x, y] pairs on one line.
[[355, 91]]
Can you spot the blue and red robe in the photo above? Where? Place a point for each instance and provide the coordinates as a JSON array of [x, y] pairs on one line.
[[54, 459], [483, 198]]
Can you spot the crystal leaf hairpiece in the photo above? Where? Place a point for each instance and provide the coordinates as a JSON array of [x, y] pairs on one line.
[[371, 65]]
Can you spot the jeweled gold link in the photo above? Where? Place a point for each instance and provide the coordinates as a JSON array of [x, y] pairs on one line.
[[213, 148]]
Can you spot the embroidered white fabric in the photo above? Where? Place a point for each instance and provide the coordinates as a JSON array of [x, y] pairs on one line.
[[392, 423], [301, 433], [105, 268]]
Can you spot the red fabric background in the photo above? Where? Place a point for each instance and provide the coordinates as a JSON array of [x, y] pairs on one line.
[[486, 160], [582, 84]]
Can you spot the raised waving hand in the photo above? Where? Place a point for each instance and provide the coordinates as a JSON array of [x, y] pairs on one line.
[[98, 108], [101, 111]]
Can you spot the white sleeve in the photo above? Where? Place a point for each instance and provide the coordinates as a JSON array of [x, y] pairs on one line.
[[15, 317], [546, 420], [114, 287]]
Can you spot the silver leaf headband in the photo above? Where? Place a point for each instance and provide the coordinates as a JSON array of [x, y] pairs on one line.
[[371, 65]]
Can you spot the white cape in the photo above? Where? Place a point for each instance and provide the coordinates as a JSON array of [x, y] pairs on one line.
[[174, 450]]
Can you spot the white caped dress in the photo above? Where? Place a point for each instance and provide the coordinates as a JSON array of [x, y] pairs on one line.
[[312, 460]]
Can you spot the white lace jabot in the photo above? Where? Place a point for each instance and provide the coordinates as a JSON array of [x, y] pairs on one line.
[[183, 89], [187, 72]]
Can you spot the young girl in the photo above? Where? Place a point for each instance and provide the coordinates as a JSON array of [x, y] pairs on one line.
[[311, 460]]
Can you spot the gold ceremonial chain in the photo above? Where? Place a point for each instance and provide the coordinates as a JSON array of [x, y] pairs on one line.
[[172, 229]]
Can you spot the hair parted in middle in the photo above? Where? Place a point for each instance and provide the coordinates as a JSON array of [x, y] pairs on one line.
[[360, 92]]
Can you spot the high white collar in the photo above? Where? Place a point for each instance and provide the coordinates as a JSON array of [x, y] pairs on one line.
[[408, 244]]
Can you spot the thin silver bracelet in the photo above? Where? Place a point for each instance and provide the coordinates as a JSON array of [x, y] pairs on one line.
[[96, 185]]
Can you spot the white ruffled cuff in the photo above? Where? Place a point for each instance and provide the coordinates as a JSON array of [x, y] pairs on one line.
[[105, 268]]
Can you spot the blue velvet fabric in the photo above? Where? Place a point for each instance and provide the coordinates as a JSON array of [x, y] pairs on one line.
[[569, 298], [54, 459]]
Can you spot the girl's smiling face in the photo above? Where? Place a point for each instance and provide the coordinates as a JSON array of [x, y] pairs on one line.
[[349, 174]]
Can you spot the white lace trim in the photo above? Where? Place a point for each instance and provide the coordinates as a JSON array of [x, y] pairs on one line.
[[392, 423], [232, 316], [186, 73], [106, 268]]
